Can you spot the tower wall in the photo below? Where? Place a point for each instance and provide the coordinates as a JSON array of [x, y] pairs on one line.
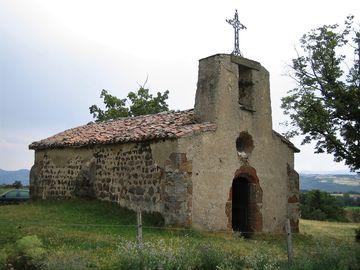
[[234, 93]]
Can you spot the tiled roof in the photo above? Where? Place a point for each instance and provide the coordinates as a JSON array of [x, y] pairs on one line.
[[131, 129], [286, 141]]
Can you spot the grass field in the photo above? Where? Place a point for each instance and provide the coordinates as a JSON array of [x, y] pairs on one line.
[[99, 235], [352, 208]]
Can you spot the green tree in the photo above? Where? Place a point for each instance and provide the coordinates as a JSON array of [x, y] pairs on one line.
[[319, 205], [17, 184], [141, 102], [324, 107], [115, 108], [144, 103]]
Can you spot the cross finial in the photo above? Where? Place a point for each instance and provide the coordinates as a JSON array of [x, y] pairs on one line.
[[237, 26]]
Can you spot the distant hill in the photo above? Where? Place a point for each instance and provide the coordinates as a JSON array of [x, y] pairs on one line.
[[8, 177], [332, 172], [330, 182]]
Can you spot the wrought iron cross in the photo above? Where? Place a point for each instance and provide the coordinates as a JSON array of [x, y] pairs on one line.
[[237, 26]]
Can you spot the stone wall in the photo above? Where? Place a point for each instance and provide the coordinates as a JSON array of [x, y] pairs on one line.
[[129, 177], [127, 174], [178, 189], [189, 180], [216, 156], [47, 180], [293, 198]]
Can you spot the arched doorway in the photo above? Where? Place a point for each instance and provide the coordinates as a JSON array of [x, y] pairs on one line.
[[243, 207], [240, 205]]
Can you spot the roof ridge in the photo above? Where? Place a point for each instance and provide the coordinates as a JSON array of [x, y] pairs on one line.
[[144, 115], [168, 124], [286, 141]]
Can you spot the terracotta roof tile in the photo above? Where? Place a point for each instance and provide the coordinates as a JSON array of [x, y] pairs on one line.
[[131, 129]]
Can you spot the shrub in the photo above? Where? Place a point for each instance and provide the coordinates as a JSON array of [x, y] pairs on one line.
[[2, 259], [357, 234], [17, 184], [353, 214], [210, 258], [28, 253]]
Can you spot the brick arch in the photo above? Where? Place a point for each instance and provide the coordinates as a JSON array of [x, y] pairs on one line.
[[255, 203]]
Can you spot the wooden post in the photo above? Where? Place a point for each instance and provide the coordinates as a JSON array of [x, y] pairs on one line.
[[289, 241], [139, 227]]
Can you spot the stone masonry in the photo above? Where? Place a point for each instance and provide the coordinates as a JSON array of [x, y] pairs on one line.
[[128, 176], [219, 166]]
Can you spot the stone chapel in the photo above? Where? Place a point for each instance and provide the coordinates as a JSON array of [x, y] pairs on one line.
[[219, 166]]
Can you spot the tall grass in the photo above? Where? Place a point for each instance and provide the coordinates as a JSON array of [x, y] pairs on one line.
[[100, 235]]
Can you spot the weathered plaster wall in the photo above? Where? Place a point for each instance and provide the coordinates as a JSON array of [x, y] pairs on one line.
[[152, 177], [189, 180], [214, 155]]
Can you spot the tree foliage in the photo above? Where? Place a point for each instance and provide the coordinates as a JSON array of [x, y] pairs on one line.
[[141, 102], [17, 184], [319, 205], [324, 107]]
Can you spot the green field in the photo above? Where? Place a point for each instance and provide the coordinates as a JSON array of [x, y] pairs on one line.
[[99, 235], [352, 208]]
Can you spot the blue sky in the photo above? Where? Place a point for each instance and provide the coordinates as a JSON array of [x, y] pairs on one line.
[[56, 56]]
